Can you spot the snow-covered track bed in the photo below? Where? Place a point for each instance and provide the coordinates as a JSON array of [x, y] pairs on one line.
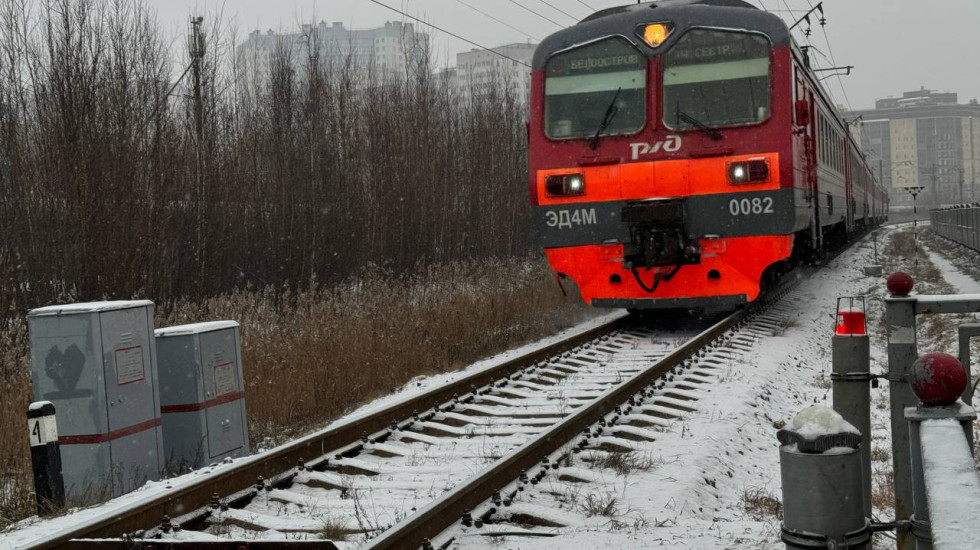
[[358, 491], [506, 498]]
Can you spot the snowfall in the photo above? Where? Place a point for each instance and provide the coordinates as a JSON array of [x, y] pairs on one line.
[[712, 478]]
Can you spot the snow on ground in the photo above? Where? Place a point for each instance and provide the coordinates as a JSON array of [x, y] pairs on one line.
[[711, 477], [962, 282], [716, 475]]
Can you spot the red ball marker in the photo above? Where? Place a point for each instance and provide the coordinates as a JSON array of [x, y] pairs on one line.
[[900, 283], [937, 379]]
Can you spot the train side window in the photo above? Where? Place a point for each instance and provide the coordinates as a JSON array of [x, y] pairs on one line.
[[823, 140], [820, 138]]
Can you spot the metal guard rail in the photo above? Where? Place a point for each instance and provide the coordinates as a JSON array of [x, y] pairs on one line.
[[958, 223], [952, 485]]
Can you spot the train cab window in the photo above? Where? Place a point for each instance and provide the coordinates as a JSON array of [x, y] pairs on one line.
[[596, 89], [716, 78]]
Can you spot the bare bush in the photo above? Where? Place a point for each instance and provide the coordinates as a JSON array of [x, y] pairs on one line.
[[309, 170]]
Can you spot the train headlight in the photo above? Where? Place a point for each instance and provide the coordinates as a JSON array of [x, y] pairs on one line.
[[748, 171], [654, 34], [565, 185]]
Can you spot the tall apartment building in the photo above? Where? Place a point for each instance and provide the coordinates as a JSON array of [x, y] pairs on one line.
[[924, 138], [478, 71], [389, 50]]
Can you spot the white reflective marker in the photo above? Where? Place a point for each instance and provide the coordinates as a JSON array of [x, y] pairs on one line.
[[42, 430]]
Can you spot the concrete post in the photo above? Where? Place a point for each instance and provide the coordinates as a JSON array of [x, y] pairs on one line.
[[902, 352], [852, 396]]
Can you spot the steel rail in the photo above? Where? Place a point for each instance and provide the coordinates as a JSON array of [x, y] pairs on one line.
[[274, 464], [435, 518], [439, 515]]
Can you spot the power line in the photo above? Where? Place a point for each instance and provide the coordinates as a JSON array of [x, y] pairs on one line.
[[840, 81], [525, 8], [552, 6], [454, 35], [833, 61], [586, 5], [498, 20]]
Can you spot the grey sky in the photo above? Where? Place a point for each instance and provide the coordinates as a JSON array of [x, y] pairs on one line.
[[895, 45]]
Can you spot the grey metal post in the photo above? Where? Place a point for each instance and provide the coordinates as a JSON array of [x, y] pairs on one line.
[[920, 519], [902, 352], [966, 332], [823, 504], [852, 395]]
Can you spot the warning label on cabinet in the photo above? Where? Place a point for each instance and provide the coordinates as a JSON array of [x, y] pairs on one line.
[[224, 379], [129, 365]]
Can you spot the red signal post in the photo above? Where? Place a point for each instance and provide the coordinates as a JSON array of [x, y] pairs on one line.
[[851, 319]]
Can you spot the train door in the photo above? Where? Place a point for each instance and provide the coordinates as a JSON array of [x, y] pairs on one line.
[[806, 130], [849, 198]]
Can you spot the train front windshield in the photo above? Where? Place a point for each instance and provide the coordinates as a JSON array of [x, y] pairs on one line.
[[716, 78], [599, 88]]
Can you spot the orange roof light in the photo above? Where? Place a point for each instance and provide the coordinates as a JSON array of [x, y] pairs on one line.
[[654, 34]]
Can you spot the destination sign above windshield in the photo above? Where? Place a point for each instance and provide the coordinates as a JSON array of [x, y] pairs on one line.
[[612, 55], [704, 46]]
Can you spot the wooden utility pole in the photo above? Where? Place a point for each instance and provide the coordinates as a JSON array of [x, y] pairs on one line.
[[196, 50]]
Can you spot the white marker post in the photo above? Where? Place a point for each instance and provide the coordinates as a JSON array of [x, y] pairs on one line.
[[49, 485]]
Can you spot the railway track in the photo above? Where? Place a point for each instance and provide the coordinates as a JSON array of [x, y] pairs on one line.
[[455, 457]]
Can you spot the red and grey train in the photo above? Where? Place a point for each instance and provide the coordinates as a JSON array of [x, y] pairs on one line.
[[682, 151]]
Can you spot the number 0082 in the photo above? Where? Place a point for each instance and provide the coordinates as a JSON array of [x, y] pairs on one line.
[[746, 207]]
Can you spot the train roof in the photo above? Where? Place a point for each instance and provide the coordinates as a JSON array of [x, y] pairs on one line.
[[623, 20]]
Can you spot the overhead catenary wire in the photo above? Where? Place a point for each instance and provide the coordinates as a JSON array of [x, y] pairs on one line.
[[840, 81], [499, 21], [556, 8], [806, 38], [830, 50], [525, 8], [586, 5], [454, 35]]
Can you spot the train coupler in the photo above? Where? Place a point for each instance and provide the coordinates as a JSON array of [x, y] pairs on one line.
[[657, 236]]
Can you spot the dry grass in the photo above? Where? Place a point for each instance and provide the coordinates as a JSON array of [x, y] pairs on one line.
[[605, 505], [883, 489], [334, 529], [761, 504], [881, 454], [622, 463], [310, 357], [16, 486]]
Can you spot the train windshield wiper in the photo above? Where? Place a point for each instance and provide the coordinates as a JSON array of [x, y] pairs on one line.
[[611, 111], [682, 116]]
